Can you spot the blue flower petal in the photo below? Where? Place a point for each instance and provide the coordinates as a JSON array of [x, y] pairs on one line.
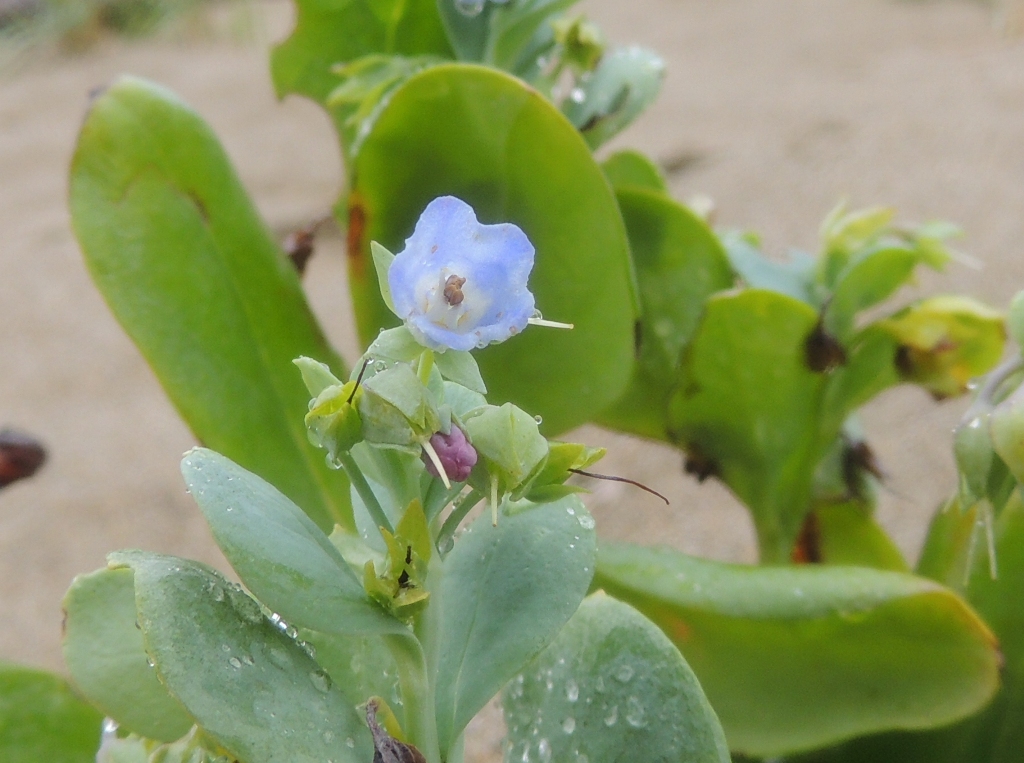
[[448, 245]]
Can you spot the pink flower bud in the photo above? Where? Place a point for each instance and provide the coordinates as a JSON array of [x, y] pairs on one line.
[[457, 456]]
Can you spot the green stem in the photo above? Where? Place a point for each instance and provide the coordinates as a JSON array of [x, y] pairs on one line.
[[459, 513], [420, 722], [355, 476], [438, 496]]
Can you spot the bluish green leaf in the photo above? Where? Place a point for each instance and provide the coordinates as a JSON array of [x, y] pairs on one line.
[[247, 683], [280, 555], [497, 144], [611, 687], [103, 650], [794, 277], [42, 719], [626, 82], [505, 593], [195, 278], [793, 658]]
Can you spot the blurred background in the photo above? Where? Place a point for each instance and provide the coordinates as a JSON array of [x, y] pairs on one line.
[[775, 109]]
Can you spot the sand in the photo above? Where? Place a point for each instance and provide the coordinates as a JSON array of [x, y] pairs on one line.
[[775, 108]]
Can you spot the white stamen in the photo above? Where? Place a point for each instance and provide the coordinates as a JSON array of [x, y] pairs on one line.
[[436, 460], [550, 324]]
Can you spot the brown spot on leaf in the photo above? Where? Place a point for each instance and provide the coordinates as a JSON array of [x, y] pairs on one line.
[[807, 549], [822, 351], [354, 238]]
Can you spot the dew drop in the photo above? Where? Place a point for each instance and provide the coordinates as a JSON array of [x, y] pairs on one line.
[[225, 648], [469, 8], [635, 713], [235, 662], [569, 725], [217, 592], [599, 685], [539, 419], [613, 716], [328, 736], [572, 690], [309, 649], [379, 366], [248, 660], [350, 742], [586, 521], [570, 511], [624, 673], [544, 751], [280, 657], [577, 95], [321, 681]]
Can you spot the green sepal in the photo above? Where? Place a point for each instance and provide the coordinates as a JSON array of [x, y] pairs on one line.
[[397, 408], [509, 445], [562, 458], [401, 587]]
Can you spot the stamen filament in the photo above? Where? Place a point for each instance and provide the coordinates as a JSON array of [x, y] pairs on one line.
[[550, 324], [436, 460]]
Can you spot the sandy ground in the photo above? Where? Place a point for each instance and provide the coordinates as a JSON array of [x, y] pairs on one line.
[[782, 106]]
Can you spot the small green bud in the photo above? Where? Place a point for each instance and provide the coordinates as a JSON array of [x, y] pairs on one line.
[[333, 421], [397, 409]]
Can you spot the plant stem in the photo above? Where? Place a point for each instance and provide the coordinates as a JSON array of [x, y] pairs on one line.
[[459, 513], [355, 476], [438, 497], [420, 724]]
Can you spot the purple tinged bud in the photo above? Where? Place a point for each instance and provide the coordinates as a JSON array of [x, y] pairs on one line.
[[457, 456]]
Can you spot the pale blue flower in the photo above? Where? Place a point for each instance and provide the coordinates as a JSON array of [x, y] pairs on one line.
[[459, 284]]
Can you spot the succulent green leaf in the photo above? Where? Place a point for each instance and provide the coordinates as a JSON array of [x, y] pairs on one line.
[[847, 534], [679, 264], [505, 593], [746, 403], [626, 82], [195, 278], [631, 169], [328, 33], [611, 687], [42, 719], [103, 650], [494, 142], [281, 556], [248, 684], [868, 278], [955, 553], [794, 658]]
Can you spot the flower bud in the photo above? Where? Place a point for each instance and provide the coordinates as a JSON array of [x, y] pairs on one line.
[[455, 453]]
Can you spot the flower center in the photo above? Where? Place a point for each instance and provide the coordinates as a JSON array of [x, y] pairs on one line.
[[453, 290]]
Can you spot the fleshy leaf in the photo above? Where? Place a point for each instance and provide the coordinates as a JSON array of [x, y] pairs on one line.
[[493, 142], [283, 558], [626, 82], [631, 169], [42, 719], [611, 687], [679, 264], [794, 658], [195, 278], [103, 650], [247, 683], [505, 594]]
